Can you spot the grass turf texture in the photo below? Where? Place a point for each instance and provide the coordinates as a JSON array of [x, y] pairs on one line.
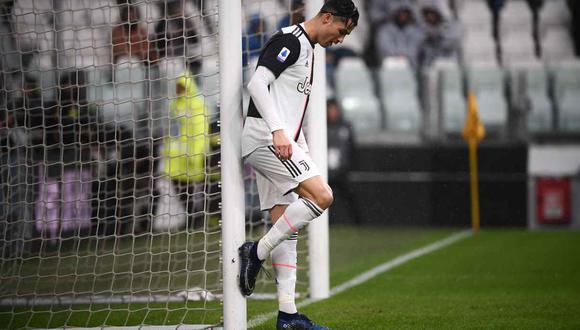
[[511, 279]]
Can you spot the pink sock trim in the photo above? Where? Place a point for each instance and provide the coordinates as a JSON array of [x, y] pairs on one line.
[[288, 223], [284, 265]]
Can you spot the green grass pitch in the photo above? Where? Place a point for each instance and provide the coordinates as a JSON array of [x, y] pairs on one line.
[[497, 279]]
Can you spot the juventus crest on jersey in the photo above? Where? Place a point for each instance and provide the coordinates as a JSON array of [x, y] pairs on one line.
[[289, 54]]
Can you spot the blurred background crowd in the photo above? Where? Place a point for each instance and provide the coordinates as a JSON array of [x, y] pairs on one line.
[[96, 96], [407, 66]]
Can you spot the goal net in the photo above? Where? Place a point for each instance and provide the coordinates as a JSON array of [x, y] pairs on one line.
[[109, 172]]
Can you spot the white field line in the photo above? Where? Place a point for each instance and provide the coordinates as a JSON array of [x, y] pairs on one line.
[[262, 318]]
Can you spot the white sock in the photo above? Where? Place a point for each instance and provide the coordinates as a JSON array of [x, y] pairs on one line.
[[284, 258], [296, 216]]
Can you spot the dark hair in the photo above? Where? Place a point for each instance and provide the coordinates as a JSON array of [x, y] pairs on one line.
[[341, 8]]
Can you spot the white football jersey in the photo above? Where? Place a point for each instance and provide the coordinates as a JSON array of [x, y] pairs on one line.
[[289, 54]]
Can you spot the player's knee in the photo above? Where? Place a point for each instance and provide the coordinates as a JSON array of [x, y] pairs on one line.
[[325, 199]]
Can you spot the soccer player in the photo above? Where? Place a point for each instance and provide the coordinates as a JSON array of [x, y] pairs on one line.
[[289, 183]]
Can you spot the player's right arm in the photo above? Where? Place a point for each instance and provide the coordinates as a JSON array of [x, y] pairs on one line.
[[280, 52]]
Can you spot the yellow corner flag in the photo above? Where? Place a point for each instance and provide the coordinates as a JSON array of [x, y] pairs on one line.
[[473, 132], [473, 128]]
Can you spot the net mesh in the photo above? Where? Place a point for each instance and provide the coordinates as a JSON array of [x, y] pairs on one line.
[[109, 147], [109, 197]]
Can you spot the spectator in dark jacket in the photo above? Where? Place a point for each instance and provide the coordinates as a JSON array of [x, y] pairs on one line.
[[401, 36], [442, 34], [340, 157]]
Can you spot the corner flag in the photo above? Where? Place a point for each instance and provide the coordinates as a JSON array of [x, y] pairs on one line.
[[473, 132]]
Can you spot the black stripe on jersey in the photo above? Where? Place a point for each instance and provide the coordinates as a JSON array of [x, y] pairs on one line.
[[307, 36], [307, 100], [289, 168], [297, 31], [294, 166], [312, 207]]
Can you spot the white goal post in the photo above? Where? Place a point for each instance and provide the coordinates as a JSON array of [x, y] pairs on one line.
[[230, 79], [98, 225]]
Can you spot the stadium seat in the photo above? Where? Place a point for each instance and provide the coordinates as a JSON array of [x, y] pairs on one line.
[[557, 45], [517, 47], [353, 78], [478, 47], [474, 14], [516, 15], [399, 96], [362, 113], [567, 95], [432, 91], [355, 93], [529, 85], [452, 99], [554, 14], [487, 82]]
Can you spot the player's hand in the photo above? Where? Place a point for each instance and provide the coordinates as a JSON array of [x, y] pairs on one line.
[[282, 144]]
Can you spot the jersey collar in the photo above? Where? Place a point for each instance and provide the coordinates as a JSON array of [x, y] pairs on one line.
[[306, 34]]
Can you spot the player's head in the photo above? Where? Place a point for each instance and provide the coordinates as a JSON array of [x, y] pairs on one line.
[[339, 18]]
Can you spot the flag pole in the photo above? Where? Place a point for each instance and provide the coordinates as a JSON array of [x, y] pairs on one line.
[[473, 132]]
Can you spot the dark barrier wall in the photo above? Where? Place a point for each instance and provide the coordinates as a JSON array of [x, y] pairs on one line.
[[429, 185]]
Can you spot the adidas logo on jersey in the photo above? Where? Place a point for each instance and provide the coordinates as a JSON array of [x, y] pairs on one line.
[[304, 86]]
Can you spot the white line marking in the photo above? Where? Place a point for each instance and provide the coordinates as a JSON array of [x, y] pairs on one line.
[[263, 318]]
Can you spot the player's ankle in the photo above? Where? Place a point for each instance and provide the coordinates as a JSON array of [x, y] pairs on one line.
[[284, 314]]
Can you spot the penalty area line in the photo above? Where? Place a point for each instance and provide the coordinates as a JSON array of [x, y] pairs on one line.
[[382, 268]]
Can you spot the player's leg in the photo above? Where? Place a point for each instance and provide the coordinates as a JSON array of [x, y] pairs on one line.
[[282, 177], [315, 197]]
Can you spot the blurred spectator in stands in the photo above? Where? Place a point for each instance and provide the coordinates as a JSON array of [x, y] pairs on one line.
[[176, 35], [495, 6], [401, 36], [442, 34], [130, 37], [254, 39], [575, 26], [296, 15], [186, 147], [379, 12], [340, 157]]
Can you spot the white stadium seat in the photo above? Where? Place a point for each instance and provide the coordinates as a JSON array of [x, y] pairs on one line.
[[487, 82], [554, 14], [399, 96], [452, 99], [355, 93], [529, 84], [517, 47], [478, 47], [557, 45], [474, 13], [516, 15], [567, 95]]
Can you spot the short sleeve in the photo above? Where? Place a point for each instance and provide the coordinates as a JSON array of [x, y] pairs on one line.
[[280, 52]]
